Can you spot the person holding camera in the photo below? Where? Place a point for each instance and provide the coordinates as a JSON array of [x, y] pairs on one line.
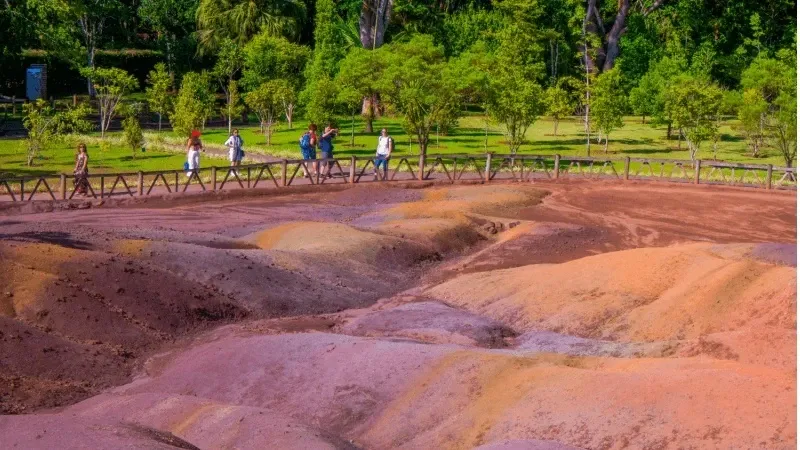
[[326, 147]]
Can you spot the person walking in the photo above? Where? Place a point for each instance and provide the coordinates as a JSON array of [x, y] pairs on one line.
[[235, 152], [308, 145], [193, 148], [326, 147], [384, 151], [81, 172]]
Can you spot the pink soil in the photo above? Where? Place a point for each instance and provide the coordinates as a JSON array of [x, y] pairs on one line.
[[603, 316]]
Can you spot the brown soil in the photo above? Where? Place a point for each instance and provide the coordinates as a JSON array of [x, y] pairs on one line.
[[564, 315]]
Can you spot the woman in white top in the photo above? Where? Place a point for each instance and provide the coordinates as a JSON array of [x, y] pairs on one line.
[[384, 151], [193, 149], [234, 144]]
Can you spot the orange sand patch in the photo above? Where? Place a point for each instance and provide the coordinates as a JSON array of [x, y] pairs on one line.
[[132, 247], [29, 270], [690, 289], [455, 202], [470, 398]]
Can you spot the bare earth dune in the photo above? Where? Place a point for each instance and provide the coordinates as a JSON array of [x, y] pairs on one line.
[[503, 317]]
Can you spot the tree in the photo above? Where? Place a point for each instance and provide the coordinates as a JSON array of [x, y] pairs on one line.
[[174, 23], [111, 86], [286, 93], [158, 97], [322, 106], [515, 97], [608, 102], [270, 58], [516, 103], [190, 106], [752, 119], [359, 73], [605, 46], [769, 86], [657, 85], [559, 104], [644, 98], [266, 104], [132, 129], [693, 104], [352, 100], [416, 85], [240, 20], [229, 62], [233, 106], [320, 91], [46, 126]]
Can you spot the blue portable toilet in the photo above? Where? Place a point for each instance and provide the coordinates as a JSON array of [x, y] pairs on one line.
[[36, 82]]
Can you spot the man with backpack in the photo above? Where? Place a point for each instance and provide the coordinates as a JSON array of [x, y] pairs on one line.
[[384, 151], [308, 144]]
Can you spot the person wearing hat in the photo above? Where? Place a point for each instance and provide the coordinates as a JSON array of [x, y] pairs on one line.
[[193, 148]]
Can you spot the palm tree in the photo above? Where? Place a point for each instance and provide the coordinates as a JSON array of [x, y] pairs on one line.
[[240, 20]]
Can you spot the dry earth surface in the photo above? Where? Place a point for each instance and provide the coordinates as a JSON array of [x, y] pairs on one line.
[[505, 317]]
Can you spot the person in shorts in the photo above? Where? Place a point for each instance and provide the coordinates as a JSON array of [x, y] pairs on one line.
[[326, 147], [308, 145], [384, 151], [235, 152]]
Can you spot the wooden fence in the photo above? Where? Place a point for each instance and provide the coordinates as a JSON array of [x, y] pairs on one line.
[[453, 167]]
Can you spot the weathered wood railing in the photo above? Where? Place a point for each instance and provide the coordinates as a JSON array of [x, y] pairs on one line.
[[453, 167]]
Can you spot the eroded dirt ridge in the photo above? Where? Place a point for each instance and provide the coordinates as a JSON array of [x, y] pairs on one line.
[[493, 317]]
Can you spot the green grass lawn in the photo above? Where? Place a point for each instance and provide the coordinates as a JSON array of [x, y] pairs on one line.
[[634, 139]]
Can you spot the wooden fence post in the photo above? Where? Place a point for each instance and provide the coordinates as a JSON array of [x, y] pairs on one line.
[[13, 104], [74, 100], [284, 164], [421, 166], [63, 187], [352, 169], [213, 178], [697, 171], [627, 167], [487, 171], [769, 176], [557, 165], [102, 186], [140, 183], [316, 171]]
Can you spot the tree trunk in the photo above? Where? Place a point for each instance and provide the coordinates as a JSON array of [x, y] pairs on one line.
[[605, 148], [486, 138], [555, 127], [289, 115], [423, 143], [353, 128], [643, 121], [608, 50], [369, 109], [612, 51], [375, 16], [159, 122], [669, 130]]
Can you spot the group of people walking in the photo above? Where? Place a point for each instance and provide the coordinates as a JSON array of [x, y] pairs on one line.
[[309, 142]]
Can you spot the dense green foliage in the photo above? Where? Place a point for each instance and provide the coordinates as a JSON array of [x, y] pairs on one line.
[[687, 65]]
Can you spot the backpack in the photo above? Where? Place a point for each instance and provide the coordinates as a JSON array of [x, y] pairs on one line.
[[305, 142]]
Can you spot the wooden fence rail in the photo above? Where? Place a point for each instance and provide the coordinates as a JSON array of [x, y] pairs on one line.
[[452, 167]]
